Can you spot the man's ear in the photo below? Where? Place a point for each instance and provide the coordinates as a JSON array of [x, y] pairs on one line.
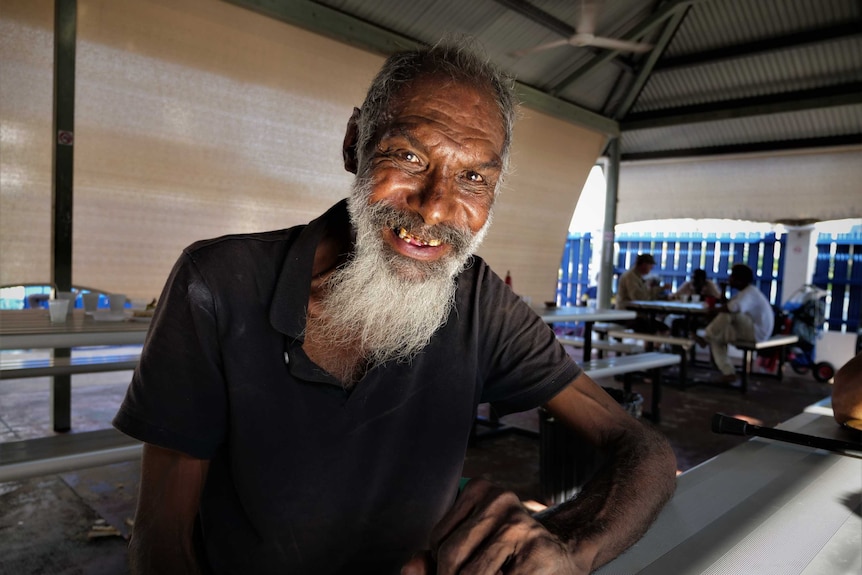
[[348, 148]]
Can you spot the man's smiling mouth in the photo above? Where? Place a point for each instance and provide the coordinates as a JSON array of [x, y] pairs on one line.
[[416, 240]]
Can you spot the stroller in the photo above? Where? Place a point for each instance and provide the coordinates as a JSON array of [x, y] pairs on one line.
[[803, 315]]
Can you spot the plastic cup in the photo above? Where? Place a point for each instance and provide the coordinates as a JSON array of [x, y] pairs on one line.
[[91, 301], [57, 310], [117, 301], [70, 296], [695, 298]]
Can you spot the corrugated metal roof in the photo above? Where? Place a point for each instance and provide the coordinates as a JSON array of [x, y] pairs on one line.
[[722, 53], [818, 123], [722, 23], [828, 64]]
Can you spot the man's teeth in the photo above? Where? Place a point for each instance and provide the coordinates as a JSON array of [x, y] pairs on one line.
[[411, 239]]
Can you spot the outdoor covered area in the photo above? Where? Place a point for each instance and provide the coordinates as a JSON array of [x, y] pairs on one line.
[[132, 129]]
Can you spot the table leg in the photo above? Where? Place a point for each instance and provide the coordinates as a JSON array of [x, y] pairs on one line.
[[61, 397], [588, 340], [747, 358], [656, 396]]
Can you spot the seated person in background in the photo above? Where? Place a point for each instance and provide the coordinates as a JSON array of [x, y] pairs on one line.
[[700, 286], [847, 393], [632, 286], [306, 395], [747, 317], [697, 285]]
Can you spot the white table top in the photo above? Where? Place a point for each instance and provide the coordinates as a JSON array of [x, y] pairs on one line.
[[762, 508], [670, 306], [32, 329], [583, 313]]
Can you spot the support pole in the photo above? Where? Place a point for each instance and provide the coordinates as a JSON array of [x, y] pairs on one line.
[[612, 172], [65, 32], [800, 259]]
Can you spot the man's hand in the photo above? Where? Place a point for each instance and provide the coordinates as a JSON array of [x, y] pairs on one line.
[[487, 532]]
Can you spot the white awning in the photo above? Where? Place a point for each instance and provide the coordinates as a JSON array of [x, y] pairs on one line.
[[807, 185]]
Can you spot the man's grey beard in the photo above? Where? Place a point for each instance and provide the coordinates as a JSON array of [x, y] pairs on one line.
[[383, 303]]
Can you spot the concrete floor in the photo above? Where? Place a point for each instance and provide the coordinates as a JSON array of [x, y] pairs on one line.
[[45, 521]]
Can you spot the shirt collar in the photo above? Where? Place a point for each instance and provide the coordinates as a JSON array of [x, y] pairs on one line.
[[287, 312]]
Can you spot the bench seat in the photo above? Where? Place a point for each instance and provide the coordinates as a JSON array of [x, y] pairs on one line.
[[684, 345], [14, 368], [596, 368], [603, 345], [748, 349], [774, 341], [682, 342], [59, 453], [566, 461], [606, 326], [610, 366], [651, 361]]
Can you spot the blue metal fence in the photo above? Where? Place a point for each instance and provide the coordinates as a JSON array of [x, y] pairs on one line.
[[574, 278], [838, 270], [677, 256]]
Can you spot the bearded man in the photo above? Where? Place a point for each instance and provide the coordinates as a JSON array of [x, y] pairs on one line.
[[306, 395]]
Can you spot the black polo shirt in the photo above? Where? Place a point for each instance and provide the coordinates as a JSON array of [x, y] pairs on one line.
[[304, 476]]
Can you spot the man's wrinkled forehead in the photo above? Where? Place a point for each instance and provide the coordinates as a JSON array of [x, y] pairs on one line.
[[433, 86]]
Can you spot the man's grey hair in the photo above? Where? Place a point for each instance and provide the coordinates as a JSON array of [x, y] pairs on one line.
[[456, 60]]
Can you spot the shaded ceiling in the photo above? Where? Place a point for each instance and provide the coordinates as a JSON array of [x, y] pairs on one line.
[[719, 76]]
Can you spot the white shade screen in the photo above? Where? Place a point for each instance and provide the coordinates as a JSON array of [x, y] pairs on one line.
[[26, 104], [197, 118], [817, 185]]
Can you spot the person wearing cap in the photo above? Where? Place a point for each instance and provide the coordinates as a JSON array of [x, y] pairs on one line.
[[632, 287]]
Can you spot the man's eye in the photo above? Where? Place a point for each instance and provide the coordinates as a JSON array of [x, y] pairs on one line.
[[410, 157], [475, 177]]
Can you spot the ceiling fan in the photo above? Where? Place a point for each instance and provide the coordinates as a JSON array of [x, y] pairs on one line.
[[584, 36]]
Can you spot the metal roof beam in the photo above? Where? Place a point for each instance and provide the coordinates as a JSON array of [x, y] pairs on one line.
[[832, 96], [332, 23], [538, 16], [761, 46], [554, 24], [663, 13], [750, 148], [350, 30], [644, 73]]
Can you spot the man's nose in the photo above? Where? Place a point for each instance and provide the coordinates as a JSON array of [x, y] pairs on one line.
[[437, 199]]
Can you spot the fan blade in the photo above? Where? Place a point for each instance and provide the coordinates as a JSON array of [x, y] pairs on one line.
[[587, 21], [540, 48], [621, 45]]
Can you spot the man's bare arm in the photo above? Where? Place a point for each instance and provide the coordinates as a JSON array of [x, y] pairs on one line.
[[615, 507], [489, 531], [168, 502]]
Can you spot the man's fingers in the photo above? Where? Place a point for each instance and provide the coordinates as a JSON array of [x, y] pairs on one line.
[[490, 559], [489, 534], [477, 517], [473, 551], [419, 564], [464, 505], [488, 531]]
